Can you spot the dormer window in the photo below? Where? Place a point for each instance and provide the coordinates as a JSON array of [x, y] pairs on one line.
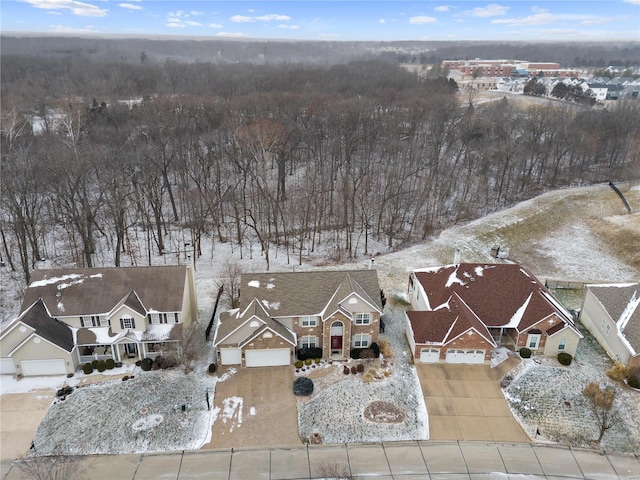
[[363, 318]]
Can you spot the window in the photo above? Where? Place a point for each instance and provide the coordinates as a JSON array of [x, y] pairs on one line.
[[603, 325], [563, 344], [127, 323], [363, 318], [309, 321], [105, 322], [93, 321], [361, 340], [157, 318], [308, 341], [606, 330], [532, 340], [176, 318]]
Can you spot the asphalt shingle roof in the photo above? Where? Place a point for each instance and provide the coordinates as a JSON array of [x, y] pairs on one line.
[[46, 327], [499, 294], [619, 300], [86, 291]]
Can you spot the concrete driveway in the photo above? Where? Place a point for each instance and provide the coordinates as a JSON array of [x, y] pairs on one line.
[[465, 402], [257, 409], [20, 415]]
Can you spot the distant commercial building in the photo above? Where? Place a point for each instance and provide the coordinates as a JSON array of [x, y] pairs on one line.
[[508, 68]]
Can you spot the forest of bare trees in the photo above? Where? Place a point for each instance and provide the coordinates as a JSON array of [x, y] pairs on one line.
[[288, 157]]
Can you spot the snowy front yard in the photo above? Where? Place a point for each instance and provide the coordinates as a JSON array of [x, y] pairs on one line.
[[142, 414], [548, 396]]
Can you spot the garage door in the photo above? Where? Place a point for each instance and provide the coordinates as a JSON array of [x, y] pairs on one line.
[[35, 368], [230, 356], [465, 356], [265, 358], [7, 366], [429, 355]]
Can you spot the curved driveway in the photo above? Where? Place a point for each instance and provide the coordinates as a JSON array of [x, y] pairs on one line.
[[410, 460]]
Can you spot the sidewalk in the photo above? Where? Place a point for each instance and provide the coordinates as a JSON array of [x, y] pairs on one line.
[[388, 461]]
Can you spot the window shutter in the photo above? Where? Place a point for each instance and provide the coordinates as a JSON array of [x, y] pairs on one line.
[[133, 323], [122, 323]]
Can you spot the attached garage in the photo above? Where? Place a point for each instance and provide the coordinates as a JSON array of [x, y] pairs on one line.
[[455, 355], [230, 356], [35, 368], [429, 355], [267, 357], [7, 366]]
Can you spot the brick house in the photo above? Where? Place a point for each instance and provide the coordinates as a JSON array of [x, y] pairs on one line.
[[282, 312], [462, 312]]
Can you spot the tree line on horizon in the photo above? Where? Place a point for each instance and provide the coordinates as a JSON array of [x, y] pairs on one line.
[[289, 157]]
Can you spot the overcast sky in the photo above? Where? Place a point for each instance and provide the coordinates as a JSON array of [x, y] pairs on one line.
[[332, 19]]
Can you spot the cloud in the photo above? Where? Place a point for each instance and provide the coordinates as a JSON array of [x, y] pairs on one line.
[[544, 17], [290, 27], [632, 2], [421, 20], [260, 18], [382, 20], [179, 19], [442, 8], [492, 10], [130, 6], [215, 25], [77, 8], [231, 34], [597, 21], [65, 29]]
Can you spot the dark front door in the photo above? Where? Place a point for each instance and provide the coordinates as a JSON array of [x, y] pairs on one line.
[[336, 342]]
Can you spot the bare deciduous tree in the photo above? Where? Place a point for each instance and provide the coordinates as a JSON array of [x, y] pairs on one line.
[[52, 467], [601, 401]]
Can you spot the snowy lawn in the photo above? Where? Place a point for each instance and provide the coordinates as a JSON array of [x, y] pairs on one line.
[[154, 411], [548, 396], [335, 413]]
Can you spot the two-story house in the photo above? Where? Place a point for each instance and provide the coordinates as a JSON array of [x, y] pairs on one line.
[[73, 316], [282, 312]]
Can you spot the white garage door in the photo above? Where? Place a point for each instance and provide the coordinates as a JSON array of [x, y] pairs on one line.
[[35, 368], [7, 366], [267, 358], [230, 356], [429, 355], [465, 356]]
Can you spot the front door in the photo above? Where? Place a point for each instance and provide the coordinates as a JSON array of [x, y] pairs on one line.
[[337, 332]]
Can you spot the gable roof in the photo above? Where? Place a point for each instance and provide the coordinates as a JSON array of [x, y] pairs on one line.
[[50, 329], [87, 291], [441, 326], [290, 294], [501, 295], [230, 321], [622, 302]]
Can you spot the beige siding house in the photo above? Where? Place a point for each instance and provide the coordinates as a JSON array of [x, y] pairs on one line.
[[611, 312], [280, 313], [462, 312], [73, 316]]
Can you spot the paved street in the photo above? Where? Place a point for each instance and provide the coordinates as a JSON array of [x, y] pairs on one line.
[[389, 461]]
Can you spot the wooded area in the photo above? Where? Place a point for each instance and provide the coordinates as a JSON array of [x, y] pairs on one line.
[[288, 156]]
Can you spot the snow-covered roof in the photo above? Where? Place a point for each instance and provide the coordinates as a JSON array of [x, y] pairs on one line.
[[96, 291], [501, 295], [622, 302]]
